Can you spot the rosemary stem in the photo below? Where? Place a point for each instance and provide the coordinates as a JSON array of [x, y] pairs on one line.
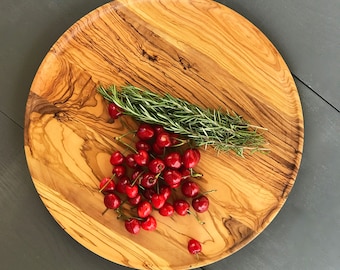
[[204, 127]]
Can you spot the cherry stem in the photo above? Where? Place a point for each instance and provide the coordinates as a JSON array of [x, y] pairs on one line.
[[195, 174], [157, 186], [208, 191], [119, 139], [107, 183], [125, 134], [103, 213], [181, 142], [196, 217], [138, 177], [123, 216]]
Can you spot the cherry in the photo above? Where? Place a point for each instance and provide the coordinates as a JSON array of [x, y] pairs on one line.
[[200, 204], [119, 170], [137, 175], [131, 190], [185, 173], [172, 177], [175, 140], [163, 139], [121, 184], [148, 177], [149, 224], [106, 185], [190, 189], [165, 191], [156, 165], [132, 225], [157, 149], [181, 207], [190, 158], [142, 145], [173, 160], [145, 132], [130, 161], [144, 209], [166, 210], [158, 129], [148, 193], [117, 158], [141, 158], [157, 200], [148, 180], [194, 247], [112, 201], [114, 111], [135, 200]]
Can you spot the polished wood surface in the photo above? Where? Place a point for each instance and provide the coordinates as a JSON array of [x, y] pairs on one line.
[[198, 50]]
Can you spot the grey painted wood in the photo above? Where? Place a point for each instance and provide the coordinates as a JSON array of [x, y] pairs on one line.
[[307, 34], [305, 233]]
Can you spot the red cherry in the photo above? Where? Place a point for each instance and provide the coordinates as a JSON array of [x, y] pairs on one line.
[[145, 132], [190, 158], [200, 204], [144, 209], [181, 207], [156, 165], [175, 141], [141, 158], [130, 161], [136, 176], [119, 170], [117, 158], [194, 247], [185, 173], [157, 149], [165, 191], [148, 180], [190, 189], [107, 185], [132, 225], [135, 200], [163, 139], [131, 191], [112, 201], [114, 111], [121, 184], [149, 224], [172, 177], [166, 210], [173, 160], [142, 145], [157, 200], [158, 129], [148, 193]]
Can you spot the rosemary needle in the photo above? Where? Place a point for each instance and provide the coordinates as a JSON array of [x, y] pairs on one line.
[[204, 127]]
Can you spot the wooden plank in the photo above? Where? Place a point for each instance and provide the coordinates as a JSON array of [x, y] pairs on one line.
[[307, 33]]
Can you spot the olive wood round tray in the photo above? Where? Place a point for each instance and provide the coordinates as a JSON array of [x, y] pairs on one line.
[[198, 50]]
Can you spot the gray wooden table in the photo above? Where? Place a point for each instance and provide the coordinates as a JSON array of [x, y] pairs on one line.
[[306, 232]]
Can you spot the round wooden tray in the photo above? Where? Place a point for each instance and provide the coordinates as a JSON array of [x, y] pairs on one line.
[[194, 49]]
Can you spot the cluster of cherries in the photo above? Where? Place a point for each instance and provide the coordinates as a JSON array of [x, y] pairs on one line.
[[147, 178]]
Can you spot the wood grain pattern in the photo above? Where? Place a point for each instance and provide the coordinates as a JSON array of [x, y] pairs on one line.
[[195, 49]]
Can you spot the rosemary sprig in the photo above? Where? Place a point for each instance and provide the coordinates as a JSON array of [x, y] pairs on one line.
[[205, 127]]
